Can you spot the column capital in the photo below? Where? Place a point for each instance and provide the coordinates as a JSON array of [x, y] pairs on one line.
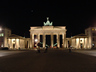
[[38, 37], [44, 33], [57, 34], [38, 34], [58, 40], [63, 40], [51, 33], [32, 36], [63, 33]]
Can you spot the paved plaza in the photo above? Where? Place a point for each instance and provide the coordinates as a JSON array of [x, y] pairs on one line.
[[53, 61], [7, 53]]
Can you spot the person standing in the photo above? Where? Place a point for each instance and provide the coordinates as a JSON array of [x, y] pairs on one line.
[[46, 49], [70, 50]]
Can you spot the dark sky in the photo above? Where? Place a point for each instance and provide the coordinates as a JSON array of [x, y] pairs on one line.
[[19, 15]]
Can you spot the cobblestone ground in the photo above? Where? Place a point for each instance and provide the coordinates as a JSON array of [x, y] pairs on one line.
[[52, 61]]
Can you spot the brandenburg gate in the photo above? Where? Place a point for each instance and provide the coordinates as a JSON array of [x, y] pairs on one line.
[[48, 29]]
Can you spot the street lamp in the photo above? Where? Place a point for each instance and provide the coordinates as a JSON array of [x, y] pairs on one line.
[[36, 41]]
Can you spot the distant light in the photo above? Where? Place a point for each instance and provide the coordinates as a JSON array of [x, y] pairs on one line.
[[1, 35], [93, 44], [36, 40], [92, 29], [2, 45], [0, 29]]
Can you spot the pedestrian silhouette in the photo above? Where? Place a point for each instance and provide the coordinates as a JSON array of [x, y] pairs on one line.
[[46, 49], [69, 49]]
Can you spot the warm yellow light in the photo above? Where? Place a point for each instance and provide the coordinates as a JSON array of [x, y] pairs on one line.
[[92, 29], [0, 29], [81, 38], [77, 39], [17, 39], [13, 40], [36, 40]]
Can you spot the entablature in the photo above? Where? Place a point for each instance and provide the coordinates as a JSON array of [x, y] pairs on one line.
[[48, 28]]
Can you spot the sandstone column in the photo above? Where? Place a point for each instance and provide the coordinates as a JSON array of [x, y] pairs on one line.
[[7, 43], [65, 39], [52, 39], [38, 38], [75, 42], [84, 42], [15, 44], [79, 43], [11, 45], [44, 40], [32, 40], [19, 42], [58, 40], [87, 43]]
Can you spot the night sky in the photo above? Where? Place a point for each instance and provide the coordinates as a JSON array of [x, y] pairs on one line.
[[19, 15]]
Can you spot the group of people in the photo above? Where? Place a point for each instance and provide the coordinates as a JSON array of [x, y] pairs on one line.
[[46, 48], [39, 48]]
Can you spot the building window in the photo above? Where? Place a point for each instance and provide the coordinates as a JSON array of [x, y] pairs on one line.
[[2, 45], [93, 45], [80, 40], [93, 34], [1, 35]]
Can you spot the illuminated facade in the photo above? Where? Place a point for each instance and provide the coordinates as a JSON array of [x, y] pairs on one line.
[[48, 29], [4, 34], [12, 41], [81, 41], [16, 42], [91, 33]]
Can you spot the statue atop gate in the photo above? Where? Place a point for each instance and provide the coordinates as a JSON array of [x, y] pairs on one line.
[[48, 23]]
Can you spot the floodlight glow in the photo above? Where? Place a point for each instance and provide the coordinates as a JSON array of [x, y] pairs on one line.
[[36, 40], [0, 29]]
